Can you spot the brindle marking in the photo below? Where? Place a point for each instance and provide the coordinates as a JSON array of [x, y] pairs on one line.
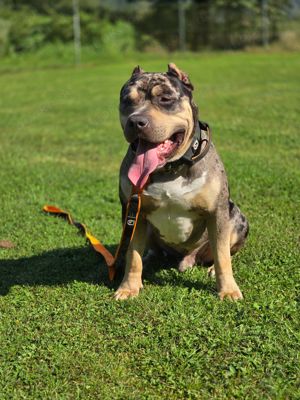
[[185, 210]]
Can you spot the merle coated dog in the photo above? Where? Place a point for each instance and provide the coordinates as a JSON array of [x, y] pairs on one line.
[[186, 209]]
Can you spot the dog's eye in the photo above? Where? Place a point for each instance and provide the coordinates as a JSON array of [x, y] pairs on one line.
[[166, 100]]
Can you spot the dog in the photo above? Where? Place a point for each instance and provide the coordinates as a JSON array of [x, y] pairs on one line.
[[185, 204]]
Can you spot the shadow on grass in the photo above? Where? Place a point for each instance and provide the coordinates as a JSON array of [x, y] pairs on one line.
[[61, 266], [56, 267], [172, 277]]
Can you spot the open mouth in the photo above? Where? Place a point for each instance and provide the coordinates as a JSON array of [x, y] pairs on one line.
[[149, 156], [167, 148]]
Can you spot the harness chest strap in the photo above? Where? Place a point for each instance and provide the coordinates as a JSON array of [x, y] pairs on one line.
[[132, 212]]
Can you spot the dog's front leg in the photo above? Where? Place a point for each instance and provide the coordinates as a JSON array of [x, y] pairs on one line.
[[132, 281], [219, 237]]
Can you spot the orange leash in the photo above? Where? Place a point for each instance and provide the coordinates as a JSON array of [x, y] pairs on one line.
[[130, 223]]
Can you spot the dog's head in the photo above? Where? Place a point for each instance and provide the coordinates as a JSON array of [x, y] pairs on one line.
[[158, 117]]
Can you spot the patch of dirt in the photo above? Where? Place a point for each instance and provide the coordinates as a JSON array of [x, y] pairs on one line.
[[6, 244]]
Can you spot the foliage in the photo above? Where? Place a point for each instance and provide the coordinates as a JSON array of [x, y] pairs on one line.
[[120, 25], [118, 37], [28, 30], [61, 334]]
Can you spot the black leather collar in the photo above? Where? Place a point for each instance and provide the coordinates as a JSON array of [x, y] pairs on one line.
[[195, 151]]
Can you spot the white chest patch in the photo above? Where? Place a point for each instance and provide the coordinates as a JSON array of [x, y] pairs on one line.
[[177, 190], [174, 219], [174, 226]]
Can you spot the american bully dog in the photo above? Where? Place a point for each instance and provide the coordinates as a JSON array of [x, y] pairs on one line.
[[185, 205]]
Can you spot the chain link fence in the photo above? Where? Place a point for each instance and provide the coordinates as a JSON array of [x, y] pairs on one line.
[[197, 25]]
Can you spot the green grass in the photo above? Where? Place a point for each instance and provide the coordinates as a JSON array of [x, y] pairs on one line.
[[61, 334]]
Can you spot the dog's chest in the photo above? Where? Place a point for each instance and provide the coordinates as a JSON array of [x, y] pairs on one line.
[[170, 211]]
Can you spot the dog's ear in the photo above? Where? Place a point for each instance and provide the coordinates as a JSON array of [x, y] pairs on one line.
[[137, 71], [173, 70]]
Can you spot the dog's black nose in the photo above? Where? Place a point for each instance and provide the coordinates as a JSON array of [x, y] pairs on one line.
[[138, 122]]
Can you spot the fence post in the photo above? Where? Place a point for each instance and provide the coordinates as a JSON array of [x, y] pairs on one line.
[[264, 23], [181, 25], [76, 31]]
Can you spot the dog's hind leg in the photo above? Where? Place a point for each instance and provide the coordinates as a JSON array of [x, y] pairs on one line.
[[240, 228], [202, 255], [188, 261]]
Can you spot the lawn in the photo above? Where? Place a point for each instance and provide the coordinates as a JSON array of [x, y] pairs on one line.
[[62, 336]]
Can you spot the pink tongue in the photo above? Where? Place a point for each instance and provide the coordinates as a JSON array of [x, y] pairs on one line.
[[145, 162]]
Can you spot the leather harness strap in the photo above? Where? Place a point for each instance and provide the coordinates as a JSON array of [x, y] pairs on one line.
[[133, 207]]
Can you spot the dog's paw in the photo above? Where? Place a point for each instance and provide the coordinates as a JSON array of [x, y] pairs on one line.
[[231, 292], [127, 291], [123, 294], [186, 263]]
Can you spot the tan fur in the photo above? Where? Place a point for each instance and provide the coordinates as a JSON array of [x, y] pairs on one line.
[[206, 199], [233, 238], [157, 90], [134, 94], [132, 281]]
